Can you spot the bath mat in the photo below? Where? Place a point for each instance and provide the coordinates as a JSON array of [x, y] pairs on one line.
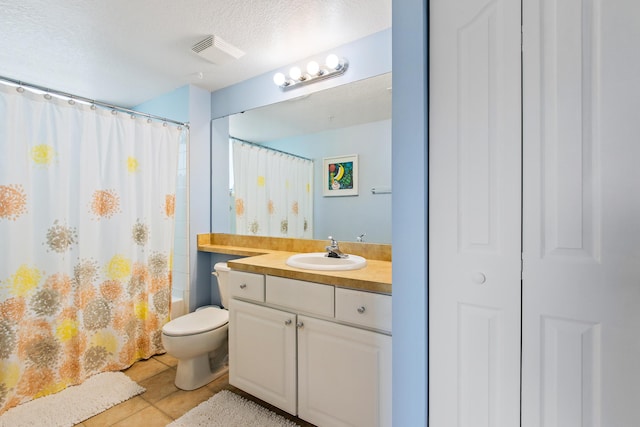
[[227, 409], [73, 404]]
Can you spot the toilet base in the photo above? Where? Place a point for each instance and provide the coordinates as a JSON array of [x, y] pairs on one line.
[[196, 372]]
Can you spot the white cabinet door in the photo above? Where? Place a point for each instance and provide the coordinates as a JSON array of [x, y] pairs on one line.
[[474, 213], [344, 375], [262, 353], [581, 298]]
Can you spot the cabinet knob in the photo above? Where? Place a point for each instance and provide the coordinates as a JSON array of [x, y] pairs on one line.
[[299, 325], [361, 309], [244, 285], [287, 322]]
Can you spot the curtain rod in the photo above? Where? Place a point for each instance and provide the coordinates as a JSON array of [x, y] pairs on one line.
[[268, 148], [91, 101]]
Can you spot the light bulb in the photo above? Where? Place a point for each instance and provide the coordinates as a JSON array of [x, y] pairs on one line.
[[313, 68], [295, 73], [279, 79], [332, 62]]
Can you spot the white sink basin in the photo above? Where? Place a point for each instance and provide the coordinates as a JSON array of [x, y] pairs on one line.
[[319, 261]]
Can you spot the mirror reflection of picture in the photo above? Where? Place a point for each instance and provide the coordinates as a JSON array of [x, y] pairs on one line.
[[340, 176]]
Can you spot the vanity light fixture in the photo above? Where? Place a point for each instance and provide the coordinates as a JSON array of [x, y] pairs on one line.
[[333, 66]]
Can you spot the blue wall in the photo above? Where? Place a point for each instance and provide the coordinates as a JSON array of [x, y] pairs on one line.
[[173, 105], [200, 173], [410, 232], [368, 57]]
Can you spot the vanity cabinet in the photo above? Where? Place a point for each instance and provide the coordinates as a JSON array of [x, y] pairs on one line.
[[316, 351]]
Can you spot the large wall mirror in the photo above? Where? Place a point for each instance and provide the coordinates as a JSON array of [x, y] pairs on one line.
[[351, 119]]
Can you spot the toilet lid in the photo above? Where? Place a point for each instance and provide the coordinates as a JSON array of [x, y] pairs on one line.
[[199, 321]]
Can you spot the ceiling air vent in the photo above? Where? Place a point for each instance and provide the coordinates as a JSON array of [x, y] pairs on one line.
[[216, 50]]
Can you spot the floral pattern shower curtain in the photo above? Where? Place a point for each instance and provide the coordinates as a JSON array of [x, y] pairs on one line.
[[86, 233], [273, 192]]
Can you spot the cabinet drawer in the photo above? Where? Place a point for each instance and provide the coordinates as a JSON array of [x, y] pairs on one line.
[[300, 296], [364, 308], [246, 285]]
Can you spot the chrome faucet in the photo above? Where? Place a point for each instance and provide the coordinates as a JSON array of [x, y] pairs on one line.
[[333, 250]]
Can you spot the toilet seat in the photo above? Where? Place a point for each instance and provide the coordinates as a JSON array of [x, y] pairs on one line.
[[197, 322]]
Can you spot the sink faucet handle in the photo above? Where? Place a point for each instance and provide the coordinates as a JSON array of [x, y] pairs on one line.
[[333, 250]]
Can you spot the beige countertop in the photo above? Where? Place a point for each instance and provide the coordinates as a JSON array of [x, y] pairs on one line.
[[269, 256]]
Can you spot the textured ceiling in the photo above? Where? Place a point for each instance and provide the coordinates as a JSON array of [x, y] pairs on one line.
[[127, 52]]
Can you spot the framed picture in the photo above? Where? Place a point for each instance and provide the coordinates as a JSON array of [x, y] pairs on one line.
[[340, 176]]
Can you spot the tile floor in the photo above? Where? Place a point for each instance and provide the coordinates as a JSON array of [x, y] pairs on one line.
[[163, 402]]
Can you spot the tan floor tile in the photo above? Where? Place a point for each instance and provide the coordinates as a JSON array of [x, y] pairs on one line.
[[144, 369], [159, 386], [177, 404], [221, 383], [167, 359], [117, 413], [148, 417]]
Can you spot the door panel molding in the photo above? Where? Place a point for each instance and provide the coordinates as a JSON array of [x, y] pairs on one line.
[[570, 166], [477, 117], [570, 372], [479, 338]]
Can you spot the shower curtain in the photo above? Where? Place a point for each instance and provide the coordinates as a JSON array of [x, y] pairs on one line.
[[86, 232], [273, 192]]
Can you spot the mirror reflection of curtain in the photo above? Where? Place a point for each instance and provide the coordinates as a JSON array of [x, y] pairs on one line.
[[273, 192], [86, 223]]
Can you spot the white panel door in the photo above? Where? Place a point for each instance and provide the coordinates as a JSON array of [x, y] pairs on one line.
[[581, 298], [474, 213]]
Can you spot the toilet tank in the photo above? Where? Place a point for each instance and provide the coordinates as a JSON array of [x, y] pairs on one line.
[[222, 275]]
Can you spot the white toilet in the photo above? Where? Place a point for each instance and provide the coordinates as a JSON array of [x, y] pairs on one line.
[[199, 339]]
